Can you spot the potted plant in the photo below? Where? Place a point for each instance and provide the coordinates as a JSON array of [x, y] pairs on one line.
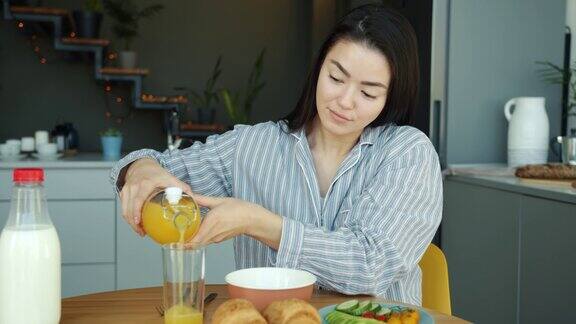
[[111, 139], [555, 74], [126, 16], [88, 21], [203, 102], [239, 105]]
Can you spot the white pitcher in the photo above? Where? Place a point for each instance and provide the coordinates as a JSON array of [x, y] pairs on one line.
[[528, 131]]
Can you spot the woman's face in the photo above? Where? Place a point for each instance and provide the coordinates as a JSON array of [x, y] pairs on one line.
[[352, 88]]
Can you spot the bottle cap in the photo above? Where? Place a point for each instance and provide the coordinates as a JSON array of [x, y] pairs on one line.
[[173, 194], [28, 175]]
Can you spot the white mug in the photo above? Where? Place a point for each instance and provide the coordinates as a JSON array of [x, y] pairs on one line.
[[41, 137], [9, 149], [27, 144]]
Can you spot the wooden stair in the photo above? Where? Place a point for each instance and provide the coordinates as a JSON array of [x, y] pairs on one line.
[[98, 47], [122, 71], [148, 98], [86, 41], [38, 10]]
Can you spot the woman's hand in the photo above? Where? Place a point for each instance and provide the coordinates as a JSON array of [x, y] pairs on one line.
[[142, 179], [230, 217]]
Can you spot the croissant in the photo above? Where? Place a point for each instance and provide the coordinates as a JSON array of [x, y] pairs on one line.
[[291, 311], [237, 311]]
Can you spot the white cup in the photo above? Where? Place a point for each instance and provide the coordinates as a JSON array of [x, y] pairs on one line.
[[27, 144], [12, 147], [13, 142], [41, 137], [47, 149], [4, 150]]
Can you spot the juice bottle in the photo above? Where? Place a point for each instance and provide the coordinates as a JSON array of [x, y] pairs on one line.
[[29, 256], [171, 216]]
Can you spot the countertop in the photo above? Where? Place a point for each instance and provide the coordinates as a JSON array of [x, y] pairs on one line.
[[80, 160], [500, 177]]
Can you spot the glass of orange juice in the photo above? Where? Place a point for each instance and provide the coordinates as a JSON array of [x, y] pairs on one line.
[[183, 284]]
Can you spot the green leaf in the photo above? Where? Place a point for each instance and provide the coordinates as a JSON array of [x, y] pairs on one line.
[[150, 11]]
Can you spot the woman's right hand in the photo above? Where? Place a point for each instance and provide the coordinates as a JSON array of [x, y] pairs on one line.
[[142, 179]]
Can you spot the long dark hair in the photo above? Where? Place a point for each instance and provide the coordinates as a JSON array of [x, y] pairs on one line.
[[390, 33]]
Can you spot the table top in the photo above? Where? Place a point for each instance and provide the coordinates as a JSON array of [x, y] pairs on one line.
[[138, 306]]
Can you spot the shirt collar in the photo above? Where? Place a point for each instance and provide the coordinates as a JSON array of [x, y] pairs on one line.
[[367, 137]]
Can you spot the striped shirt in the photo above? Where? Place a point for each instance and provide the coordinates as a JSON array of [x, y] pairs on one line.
[[368, 233]]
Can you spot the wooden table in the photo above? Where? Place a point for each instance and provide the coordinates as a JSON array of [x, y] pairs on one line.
[[138, 306]]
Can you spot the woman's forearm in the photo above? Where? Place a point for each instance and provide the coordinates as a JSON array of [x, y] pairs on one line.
[[265, 226]]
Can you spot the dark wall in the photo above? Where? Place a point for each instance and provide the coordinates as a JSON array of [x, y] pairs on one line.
[[179, 47]]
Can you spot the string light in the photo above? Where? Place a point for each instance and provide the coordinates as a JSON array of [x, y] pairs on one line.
[[42, 61], [112, 56], [20, 25], [119, 99], [36, 49], [107, 88], [72, 34]]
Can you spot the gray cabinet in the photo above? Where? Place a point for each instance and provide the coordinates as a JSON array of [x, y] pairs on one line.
[[100, 252], [511, 256], [480, 237], [81, 205], [547, 261]]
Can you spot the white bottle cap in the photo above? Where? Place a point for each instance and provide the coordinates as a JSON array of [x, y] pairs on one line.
[[173, 194]]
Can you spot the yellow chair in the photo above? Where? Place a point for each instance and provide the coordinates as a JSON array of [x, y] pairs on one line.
[[435, 285]]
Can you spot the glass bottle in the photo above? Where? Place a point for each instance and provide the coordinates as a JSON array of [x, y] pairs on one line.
[[29, 255]]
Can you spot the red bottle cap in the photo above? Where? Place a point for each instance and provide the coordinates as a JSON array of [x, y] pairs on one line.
[[28, 175]]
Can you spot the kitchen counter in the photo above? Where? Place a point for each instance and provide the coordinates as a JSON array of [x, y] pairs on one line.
[[81, 160], [502, 178]]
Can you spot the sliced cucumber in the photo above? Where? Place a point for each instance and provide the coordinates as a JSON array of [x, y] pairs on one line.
[[375, 308], [383, 311], [337, 317], [348, 306], [362, 307]]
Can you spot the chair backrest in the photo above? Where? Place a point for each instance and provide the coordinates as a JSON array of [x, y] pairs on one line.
[[435, 285]]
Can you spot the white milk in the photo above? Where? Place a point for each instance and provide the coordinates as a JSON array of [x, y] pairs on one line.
[[29, 275]]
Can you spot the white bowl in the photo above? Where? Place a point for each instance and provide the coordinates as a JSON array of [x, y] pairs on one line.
[[47, 149], [262, 286]]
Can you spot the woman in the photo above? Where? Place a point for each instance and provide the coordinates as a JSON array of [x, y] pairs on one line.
[[340, 187]]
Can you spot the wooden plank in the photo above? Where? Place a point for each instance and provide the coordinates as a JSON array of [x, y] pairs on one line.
[[85, 41], [121, 71], [39, 10], [202, 127], [148, 98]]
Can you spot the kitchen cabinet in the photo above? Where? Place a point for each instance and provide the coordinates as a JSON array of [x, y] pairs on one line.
[[510, 250], [547, 261], [99, 250], [81, 205]]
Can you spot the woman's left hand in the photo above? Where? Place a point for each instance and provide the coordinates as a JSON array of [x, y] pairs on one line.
[[230, 217]]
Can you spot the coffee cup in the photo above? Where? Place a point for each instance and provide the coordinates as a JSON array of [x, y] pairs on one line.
[[47, 149]]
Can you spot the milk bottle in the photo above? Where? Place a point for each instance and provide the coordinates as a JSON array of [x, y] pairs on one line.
[[29, 256]]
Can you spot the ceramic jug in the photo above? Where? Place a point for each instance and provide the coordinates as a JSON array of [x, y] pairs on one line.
[[528, 131]]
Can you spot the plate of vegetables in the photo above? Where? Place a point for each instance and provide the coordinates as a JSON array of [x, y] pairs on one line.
[[372, 312]]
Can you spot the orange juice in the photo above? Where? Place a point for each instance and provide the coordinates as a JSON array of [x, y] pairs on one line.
[[173, 217], [167, 223], [182, 314]]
